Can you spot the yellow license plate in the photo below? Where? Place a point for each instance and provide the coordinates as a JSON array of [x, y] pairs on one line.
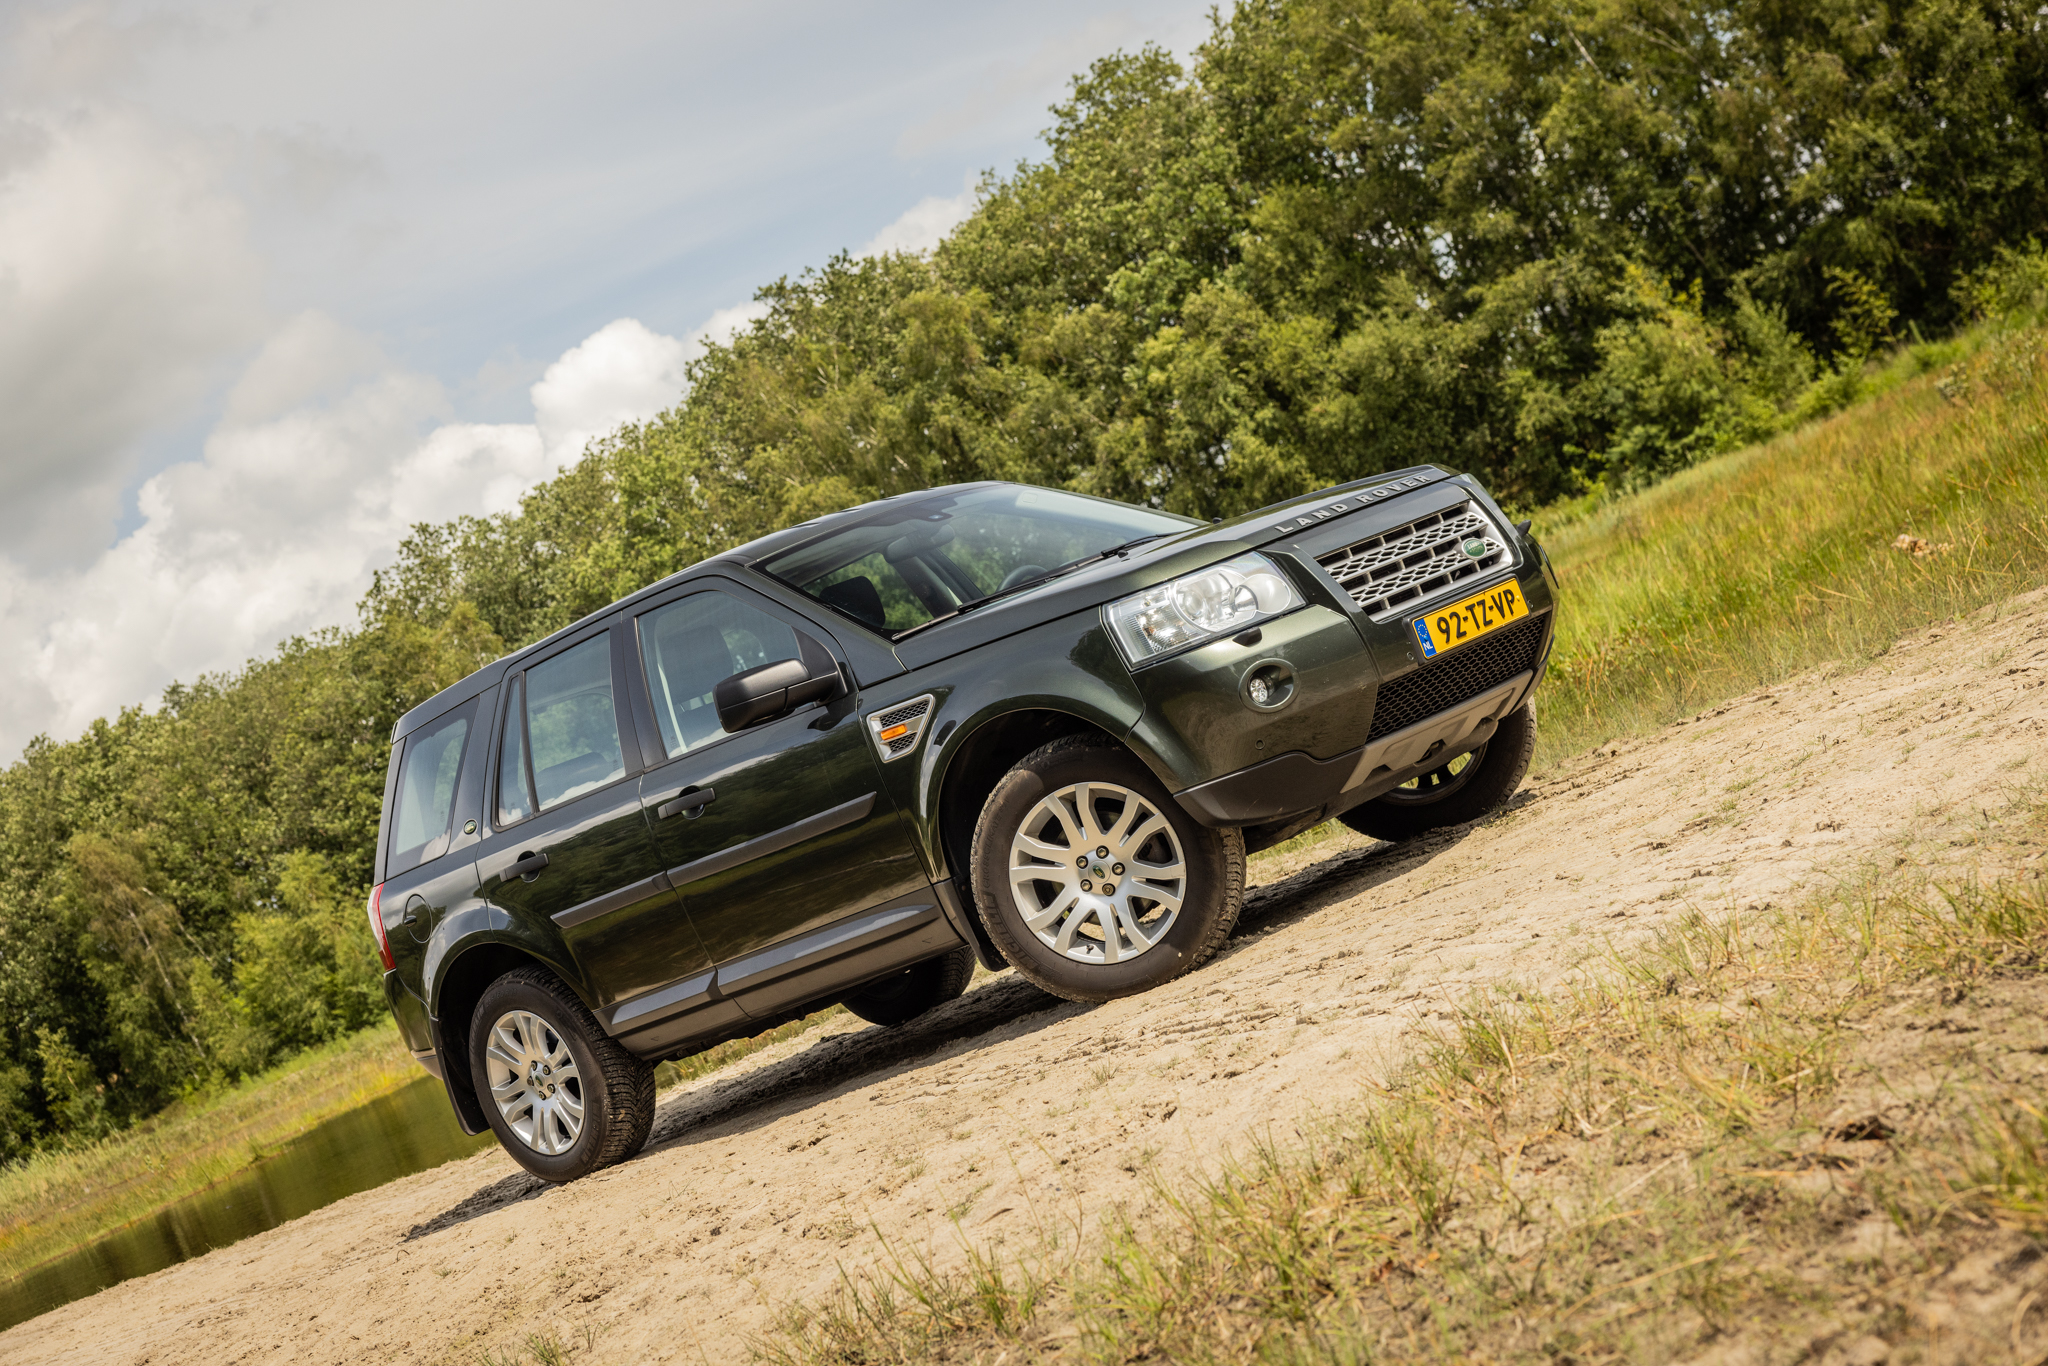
[[1449, 627]]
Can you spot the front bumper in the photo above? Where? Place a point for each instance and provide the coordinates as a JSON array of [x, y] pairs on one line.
[[1369, 712], [1296, 783]]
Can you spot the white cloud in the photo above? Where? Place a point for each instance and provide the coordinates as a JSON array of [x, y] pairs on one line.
[[126, 283], [619, 374], [924, 224], [325, 455]]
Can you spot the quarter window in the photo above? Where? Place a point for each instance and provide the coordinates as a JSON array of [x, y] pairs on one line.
[[515, 800], [692, 644], [425, 797]]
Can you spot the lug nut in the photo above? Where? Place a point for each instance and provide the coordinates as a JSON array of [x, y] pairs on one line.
[[1102, 851], [1086, 885], [1108, 887], [1117, 868], [1081, 862]]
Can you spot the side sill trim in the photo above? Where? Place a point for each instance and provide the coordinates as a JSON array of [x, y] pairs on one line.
[[629, 895], [773, 842], [791, 954]]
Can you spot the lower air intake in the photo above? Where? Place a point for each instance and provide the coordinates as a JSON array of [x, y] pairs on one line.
[[1463, 673]]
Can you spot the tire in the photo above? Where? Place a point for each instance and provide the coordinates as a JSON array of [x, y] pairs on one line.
[[528, 1019], [1054, 928], [1455, 793], [908, 994]]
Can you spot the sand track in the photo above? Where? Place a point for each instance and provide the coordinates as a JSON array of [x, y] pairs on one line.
[[1008, 1113]]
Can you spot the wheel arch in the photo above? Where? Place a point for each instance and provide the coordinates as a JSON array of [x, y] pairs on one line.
[[983, 756], [459, 986]]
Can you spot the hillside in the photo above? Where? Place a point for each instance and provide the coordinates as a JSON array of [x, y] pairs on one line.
[[1767, 870]]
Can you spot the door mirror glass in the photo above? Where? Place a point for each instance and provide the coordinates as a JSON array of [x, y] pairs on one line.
[[572, 726], [693, 643]]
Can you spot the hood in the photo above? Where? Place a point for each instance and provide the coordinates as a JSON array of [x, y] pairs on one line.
[[1086, 589]]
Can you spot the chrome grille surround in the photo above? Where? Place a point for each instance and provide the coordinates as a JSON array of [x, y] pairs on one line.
[[914, 713], [1400, 568]]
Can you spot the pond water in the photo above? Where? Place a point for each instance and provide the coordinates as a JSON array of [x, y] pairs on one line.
[[407, 1131]]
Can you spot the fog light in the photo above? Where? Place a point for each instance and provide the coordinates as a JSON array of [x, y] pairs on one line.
[[1269, 685]]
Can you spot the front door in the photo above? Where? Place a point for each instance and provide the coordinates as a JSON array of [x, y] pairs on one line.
[[568, 841], [799, 835]]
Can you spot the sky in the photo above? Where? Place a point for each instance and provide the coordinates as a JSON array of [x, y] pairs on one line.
[[281, 278]]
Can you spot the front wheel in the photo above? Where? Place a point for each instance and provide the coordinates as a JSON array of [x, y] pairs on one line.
[[563, 1098], [1091, 879], [1464, 788]]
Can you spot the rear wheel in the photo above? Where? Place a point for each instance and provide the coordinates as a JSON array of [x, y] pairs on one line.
[[908, 994], [1092, 880], [563, 1098], [1464, 788]]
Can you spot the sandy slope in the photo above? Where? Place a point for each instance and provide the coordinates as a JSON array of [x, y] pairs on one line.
[[1017, 1116]]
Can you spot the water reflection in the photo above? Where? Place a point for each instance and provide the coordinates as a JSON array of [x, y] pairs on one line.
[[407, 1131]]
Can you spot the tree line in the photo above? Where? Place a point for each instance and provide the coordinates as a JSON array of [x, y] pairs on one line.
[[1570, 245]]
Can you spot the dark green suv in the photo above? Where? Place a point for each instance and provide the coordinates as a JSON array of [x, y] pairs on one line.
[[987, 721]]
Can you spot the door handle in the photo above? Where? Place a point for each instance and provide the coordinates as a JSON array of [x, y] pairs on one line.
[[691, 801], [527, 866]]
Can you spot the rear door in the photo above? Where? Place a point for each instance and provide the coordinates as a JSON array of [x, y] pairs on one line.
[[799, 839], [568, 842]]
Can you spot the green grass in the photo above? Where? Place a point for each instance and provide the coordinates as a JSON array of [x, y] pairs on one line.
[[61, 1199], [1772, 560]]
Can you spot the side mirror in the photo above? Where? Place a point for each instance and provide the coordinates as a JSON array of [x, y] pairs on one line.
[[763, 693]]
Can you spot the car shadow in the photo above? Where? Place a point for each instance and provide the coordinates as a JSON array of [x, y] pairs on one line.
[[856, 1056]]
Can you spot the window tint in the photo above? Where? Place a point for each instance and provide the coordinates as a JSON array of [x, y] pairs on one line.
[[515, 802], [571, 725], [425, 796], [690, 646]]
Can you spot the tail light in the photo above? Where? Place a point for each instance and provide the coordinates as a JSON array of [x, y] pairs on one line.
[[377, 926]]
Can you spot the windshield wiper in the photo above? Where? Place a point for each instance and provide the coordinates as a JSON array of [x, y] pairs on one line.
[[1032, 582]]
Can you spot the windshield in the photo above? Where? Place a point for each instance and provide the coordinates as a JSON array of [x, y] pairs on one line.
[[910, 562]]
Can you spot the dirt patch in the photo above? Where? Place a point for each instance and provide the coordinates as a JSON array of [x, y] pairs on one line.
[[1009, 1116]]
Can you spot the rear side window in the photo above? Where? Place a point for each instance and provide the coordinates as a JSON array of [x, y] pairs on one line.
[[425, 795], [690, 646], [561, 732]]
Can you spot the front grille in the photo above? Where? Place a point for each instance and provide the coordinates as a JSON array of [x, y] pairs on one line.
[[1458, 676], [1399, 568]]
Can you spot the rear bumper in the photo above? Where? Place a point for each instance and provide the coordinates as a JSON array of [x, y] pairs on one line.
[[1297, 784]]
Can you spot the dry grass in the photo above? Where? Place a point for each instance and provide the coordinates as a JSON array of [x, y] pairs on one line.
[[1786, 1137]]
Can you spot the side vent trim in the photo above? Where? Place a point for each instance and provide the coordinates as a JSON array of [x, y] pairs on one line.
[[896, 730]]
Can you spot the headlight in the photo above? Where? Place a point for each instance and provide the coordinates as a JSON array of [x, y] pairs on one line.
[[1218, 600]]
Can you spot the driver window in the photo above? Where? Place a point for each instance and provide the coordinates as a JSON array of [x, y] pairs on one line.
[[694, 643], [572, 730]]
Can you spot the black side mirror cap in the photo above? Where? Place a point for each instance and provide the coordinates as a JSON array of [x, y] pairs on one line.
[[772, 690], [746, 699], [1524, 525]]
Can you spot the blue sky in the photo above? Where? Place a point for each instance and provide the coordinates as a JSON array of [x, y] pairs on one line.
[[278, 278]]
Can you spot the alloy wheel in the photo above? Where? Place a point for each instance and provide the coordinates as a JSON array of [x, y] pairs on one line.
[[535, 1082], [1097, 872]]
